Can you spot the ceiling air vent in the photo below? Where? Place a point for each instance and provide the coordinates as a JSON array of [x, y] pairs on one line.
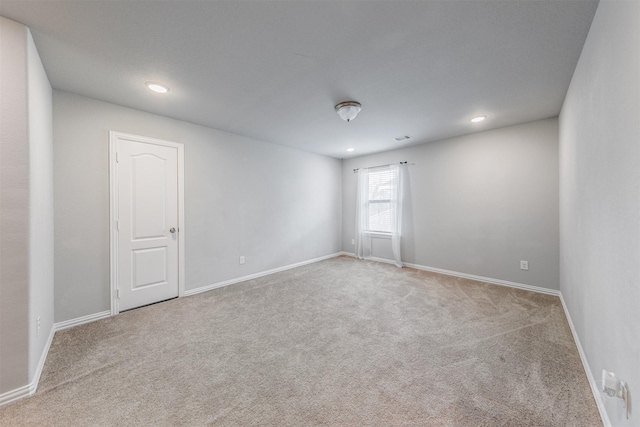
[[401, 138]]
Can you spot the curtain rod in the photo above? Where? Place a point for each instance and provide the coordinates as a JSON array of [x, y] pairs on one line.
[[379, 166]]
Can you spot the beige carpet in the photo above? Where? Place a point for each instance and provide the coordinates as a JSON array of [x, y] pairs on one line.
[[340, 343]]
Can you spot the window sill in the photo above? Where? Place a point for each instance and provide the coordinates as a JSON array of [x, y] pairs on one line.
[[378, 234]]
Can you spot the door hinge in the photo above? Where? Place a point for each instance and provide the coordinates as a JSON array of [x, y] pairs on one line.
[[118, 225], [117, 293], [117, 160]]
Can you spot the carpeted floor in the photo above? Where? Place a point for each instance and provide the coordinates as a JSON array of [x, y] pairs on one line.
[[338, 343]]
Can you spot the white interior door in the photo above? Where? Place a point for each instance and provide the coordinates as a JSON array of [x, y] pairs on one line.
[[147, 221]]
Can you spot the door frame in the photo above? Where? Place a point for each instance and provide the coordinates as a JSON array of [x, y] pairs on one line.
[[114, 137]]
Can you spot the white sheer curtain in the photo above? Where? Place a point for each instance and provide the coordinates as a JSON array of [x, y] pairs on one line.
[[363, 239], [365, 193], [397, 184]]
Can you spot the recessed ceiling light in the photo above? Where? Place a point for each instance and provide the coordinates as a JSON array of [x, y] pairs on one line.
[[350, 149], [478, 119], [157, 87]]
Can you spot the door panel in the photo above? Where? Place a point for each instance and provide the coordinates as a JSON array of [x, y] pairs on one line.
[[148, 189], [147, 180], [150, 267]]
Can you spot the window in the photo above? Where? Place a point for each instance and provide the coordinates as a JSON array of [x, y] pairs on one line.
[[379, 208], [379, 200]]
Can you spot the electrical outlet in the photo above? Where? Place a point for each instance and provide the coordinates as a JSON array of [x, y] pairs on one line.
[[353, 241], [610, 383], [524, 265], [242, 259], [612, 386], [38, 323]]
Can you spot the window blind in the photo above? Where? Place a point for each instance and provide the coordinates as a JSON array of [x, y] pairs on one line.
[[380, 200]]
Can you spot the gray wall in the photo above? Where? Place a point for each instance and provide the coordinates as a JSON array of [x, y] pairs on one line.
[[600, 199], [14, 207], [476, 204], [40, 205], [274, 205], [26, 207]]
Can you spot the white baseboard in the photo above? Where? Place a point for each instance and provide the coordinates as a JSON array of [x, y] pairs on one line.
[[256, 275], [15, 394], [60, 326], [29, 389], [43, 358], [491, 280], [585, 364], [371, 258]]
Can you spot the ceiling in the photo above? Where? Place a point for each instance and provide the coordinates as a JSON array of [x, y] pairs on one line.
[[273, 70]]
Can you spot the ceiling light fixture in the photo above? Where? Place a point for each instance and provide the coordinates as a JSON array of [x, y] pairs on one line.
[[157, 87], [478, 119], [350, 149], [348, 110]]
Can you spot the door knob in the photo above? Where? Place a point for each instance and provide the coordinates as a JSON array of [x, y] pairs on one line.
[[172, 230]]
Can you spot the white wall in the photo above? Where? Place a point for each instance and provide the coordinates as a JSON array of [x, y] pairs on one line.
[[14, 207], [477, 204], [40, 169], [274, 205], [600, 199]]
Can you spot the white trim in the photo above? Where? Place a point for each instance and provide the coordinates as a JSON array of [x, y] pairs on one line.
[[371, 258], [585, 364], [500, 282], [60, 326], [181, 229], [29, 389], [484, 279], [43, 357], [256, 275], [383, 260], [15, 394], [113, 215], [113, 211], [378, 234]]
